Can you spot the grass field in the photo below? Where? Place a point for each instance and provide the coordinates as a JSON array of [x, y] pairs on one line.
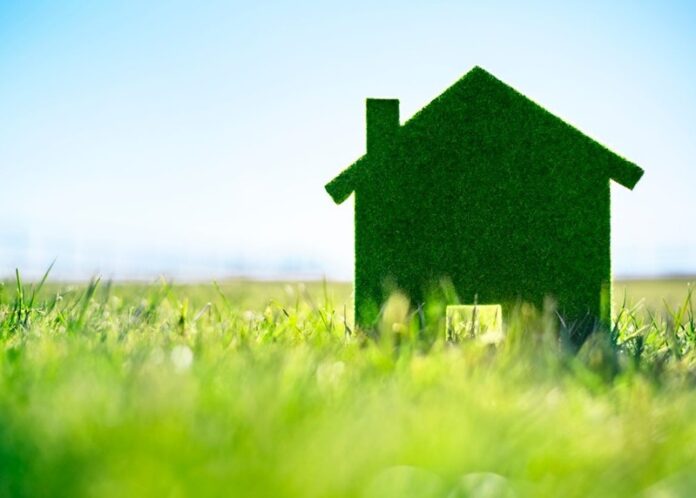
[[258, 390]]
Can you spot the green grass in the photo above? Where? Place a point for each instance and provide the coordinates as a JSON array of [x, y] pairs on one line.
[[259, 390]]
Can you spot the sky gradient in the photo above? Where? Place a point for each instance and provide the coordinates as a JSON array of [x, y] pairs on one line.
[[195, 140]]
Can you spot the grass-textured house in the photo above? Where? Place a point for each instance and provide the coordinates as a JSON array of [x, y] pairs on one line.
[[488, 190]]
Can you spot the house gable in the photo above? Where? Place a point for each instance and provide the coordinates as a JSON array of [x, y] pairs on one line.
[[471, 95]]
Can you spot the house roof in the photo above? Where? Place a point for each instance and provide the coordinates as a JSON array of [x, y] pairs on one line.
[[618, 169]]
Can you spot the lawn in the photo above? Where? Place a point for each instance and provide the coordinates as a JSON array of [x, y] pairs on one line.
[[258, 389]]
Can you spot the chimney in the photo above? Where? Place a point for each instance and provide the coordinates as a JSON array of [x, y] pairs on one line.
[[382, 123]]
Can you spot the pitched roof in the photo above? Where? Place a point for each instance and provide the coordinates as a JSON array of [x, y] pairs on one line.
[[618, 169]]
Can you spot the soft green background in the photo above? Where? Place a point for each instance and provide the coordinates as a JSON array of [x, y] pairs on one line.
[[256, 390]]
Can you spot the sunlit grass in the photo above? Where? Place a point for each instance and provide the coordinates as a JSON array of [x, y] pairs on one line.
[[264, 389]]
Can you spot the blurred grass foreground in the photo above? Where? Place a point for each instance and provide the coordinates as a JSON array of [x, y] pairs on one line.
[[263, 390]]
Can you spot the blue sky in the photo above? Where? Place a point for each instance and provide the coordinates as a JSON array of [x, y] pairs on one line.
[[194, 138]]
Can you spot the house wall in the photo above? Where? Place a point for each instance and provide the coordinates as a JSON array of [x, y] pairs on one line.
[[538, 247]]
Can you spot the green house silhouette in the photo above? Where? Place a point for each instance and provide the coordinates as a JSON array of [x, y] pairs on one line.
[[488, 190]]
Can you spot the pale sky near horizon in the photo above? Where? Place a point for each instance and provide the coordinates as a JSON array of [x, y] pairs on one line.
[[194, 138]]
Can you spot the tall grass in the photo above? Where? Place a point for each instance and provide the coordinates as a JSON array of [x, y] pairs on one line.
[[264, 390]]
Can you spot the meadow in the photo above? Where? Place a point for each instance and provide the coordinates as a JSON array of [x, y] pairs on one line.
[[262, 389]]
